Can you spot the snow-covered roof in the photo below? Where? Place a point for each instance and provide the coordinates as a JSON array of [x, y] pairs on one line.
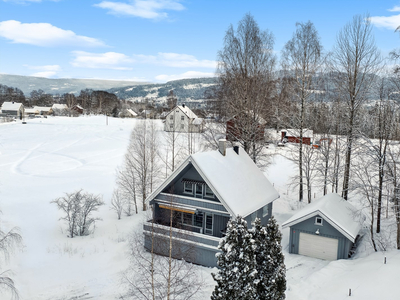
[[296, 132], [59, 106], [132, 112], [42, 108], [31, 111], [11, 106], [333, 209], [187, 111], [198, 121], [234, 178]]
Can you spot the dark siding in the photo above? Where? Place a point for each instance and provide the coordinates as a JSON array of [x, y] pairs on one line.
[[326, 230], [219, 226], [264, 220], [176, 186]]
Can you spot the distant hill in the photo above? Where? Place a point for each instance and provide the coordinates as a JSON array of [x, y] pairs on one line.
[[186, 90], [62, 85]]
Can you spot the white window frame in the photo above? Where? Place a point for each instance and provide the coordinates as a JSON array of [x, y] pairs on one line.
[[265, 211], [182, 118], [171, 126], [182, 126], [195, 191], [317, 219], [208, 195], [171, 117], [184, 188]]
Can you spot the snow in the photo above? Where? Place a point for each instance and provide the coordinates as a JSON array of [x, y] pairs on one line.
[[334, 210], [236, 179], [45, 158], [187, 111], [11, 106]]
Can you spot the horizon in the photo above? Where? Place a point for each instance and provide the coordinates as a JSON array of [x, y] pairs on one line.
[[158, 41]]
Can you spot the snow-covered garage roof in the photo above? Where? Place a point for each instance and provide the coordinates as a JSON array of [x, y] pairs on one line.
[[234, 178], [333, 209]]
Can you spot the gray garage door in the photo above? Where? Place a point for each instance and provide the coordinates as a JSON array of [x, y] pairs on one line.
[[318, 246]]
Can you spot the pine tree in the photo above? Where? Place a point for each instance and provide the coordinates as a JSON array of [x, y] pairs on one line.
[[235, 279], [270, 280]]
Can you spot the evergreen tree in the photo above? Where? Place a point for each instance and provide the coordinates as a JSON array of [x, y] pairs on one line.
[[235, 278], [270, 281]]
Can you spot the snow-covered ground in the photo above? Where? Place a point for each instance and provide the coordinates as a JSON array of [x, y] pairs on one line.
[[45, 158]]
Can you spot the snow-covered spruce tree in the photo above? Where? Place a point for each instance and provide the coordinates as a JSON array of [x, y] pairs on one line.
[[270, 278], [237, 263]]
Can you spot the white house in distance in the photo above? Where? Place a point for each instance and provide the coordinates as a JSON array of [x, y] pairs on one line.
[[182, 119], [13, 109]]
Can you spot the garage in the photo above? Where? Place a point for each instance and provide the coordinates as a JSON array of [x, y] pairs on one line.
[[318, 246], [326, 228]]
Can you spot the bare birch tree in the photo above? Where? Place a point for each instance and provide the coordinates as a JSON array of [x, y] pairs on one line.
[[302, 59], [245, 84], [355, 61]]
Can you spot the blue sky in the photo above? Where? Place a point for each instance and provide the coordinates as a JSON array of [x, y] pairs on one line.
[[160, 40]]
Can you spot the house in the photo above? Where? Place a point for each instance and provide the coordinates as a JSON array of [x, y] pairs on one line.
[[77, 109], [44, 110], [325, 229], [200, 197], [31, 112], [240, 126], [13, 109], [293, 136], [183, 119], [131, 113]]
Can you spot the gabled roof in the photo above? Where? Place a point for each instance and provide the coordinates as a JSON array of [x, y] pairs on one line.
[[333, 209], [42, 108], [59, 106], [186, 110], [11, 106], [234, 178], [132, 112]]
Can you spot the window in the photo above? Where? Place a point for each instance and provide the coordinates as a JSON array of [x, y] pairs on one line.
[[209, 224], [199, 190], [182, 118], [182, 126], [171, 117], [265, 210], [171, 126], [198, 219], [187, 219], [208, 192], [318, 221], [188, 188]]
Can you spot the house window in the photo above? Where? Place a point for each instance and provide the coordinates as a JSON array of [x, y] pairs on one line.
[[209, 224], [182, 118], [171, 126], [318, 221], [187, 219], [182, 126], [208, 192], [199, 190], [198, 219], [171, 117], [265, 210], [188, 188]]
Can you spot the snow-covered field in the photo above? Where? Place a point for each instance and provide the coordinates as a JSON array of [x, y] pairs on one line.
[[45, 158]]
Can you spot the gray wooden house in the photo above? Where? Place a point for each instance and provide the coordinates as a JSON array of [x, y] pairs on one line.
[[200, 197], [13, 109], [325, 229]]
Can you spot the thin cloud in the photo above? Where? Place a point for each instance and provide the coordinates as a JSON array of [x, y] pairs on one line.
[[175, 60], [46, 71], [108, 60], [189, 74], [44, 35], [152, 9], [390, 22]]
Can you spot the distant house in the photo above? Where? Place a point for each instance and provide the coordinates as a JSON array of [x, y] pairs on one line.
[[325, 229], [201, 195], [59, 109], [31, 112], [131, 113], [293, 136], [183, 119], [77, 109], [240, 125], [13, 109], [43, 110]]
